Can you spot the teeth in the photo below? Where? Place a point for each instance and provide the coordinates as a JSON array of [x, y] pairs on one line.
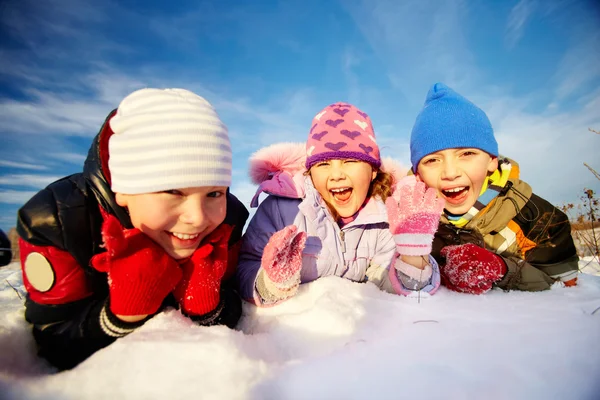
[[185, 236], [339, 190], [458, 189]]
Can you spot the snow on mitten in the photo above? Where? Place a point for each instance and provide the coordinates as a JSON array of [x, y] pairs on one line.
[[471, 269], [199, 291], [414, 214], [140, 273], [281, 264]]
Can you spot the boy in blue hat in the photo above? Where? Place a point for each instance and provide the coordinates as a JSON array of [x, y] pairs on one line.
[[494, 229]]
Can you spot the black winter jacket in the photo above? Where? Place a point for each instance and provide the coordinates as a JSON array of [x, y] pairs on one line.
[[69, 311]]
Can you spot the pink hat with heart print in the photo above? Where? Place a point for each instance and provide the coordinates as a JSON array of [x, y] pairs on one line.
[[342, 131]]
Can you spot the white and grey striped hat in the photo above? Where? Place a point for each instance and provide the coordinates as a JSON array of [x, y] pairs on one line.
[[167, 139]]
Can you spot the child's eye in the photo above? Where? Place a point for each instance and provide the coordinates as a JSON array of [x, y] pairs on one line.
[[428, 161], [216, 193], [467, 153], [322, 164], [350, 161], [173, 192]]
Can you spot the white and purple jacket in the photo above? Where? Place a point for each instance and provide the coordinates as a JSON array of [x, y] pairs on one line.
[[362, 250]]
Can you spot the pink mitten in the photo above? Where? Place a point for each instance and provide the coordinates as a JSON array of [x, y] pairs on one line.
[[282, 258], [414, 214]]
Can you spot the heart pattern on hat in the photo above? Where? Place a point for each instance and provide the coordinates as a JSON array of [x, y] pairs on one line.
[[349, 135], [366, 149], [319, 136], [333, 123], [335, 146], [340, 112]]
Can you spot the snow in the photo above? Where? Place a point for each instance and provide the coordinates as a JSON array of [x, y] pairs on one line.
[[335, 340]]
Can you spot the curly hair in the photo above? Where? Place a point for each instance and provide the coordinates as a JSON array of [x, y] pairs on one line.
[[382, 185]]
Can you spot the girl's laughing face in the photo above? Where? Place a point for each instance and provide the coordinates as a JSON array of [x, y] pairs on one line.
[[343, 184]]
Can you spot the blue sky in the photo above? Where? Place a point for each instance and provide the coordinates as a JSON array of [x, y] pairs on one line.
[[269, 66]]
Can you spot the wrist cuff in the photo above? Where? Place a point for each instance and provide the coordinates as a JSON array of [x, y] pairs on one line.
[[113, 326], [209, 318], [270, 292], [413, 244], [421, 275]]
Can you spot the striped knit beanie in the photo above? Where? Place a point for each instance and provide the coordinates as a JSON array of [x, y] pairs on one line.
[[342, 131], [447, 121], [167, 139]]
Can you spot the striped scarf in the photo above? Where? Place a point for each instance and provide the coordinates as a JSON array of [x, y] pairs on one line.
[[492, 186]]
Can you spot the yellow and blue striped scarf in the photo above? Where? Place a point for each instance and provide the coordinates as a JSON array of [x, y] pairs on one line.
[[492, 186]]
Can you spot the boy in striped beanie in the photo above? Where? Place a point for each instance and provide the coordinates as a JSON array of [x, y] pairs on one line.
[[494, 229], [149, 223]]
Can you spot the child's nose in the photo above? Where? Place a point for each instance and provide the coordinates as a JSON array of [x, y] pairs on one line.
[[337, 173], [450, 170], [194, 212]]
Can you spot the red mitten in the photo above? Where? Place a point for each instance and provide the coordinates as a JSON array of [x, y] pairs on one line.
[[471, 269], [282, 258], [140, 273], [198, 292]]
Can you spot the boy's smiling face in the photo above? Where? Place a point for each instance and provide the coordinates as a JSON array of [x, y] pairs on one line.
[[458, 175], [177, 220]]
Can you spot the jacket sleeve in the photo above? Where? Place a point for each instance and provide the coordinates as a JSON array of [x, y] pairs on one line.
[[5, 249], [237, 215], [70, 316], [267, 220], [549, 251], [405, 281]]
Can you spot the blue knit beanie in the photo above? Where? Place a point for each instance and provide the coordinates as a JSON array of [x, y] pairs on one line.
[[447, 121]]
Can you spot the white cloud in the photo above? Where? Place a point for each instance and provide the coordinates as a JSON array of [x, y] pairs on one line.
[[579, 66], [15, 196], [517, 20], [419, 42], [36, 181], [550, 148], [21, 165], [73, 158]]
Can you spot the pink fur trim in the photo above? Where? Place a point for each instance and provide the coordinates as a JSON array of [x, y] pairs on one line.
[[394, 168], [287, 157]]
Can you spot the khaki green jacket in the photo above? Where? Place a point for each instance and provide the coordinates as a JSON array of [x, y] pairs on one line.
[[532, 236]]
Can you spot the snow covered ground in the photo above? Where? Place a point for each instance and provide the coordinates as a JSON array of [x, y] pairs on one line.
[[335, 340]]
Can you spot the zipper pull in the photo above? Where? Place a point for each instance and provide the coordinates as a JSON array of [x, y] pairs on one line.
[[342, 235]]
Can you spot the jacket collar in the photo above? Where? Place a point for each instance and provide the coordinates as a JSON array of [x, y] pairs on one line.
[[314, 208]]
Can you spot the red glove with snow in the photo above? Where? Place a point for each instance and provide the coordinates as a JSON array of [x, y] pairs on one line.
[[199, 291], [471, 269], [282, 259], [140, 273]]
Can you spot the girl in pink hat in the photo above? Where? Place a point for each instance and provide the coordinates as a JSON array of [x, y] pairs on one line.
[[333, 209]]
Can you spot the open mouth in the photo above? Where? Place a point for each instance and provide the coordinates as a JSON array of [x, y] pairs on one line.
[[456, 195], [341, 194]]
